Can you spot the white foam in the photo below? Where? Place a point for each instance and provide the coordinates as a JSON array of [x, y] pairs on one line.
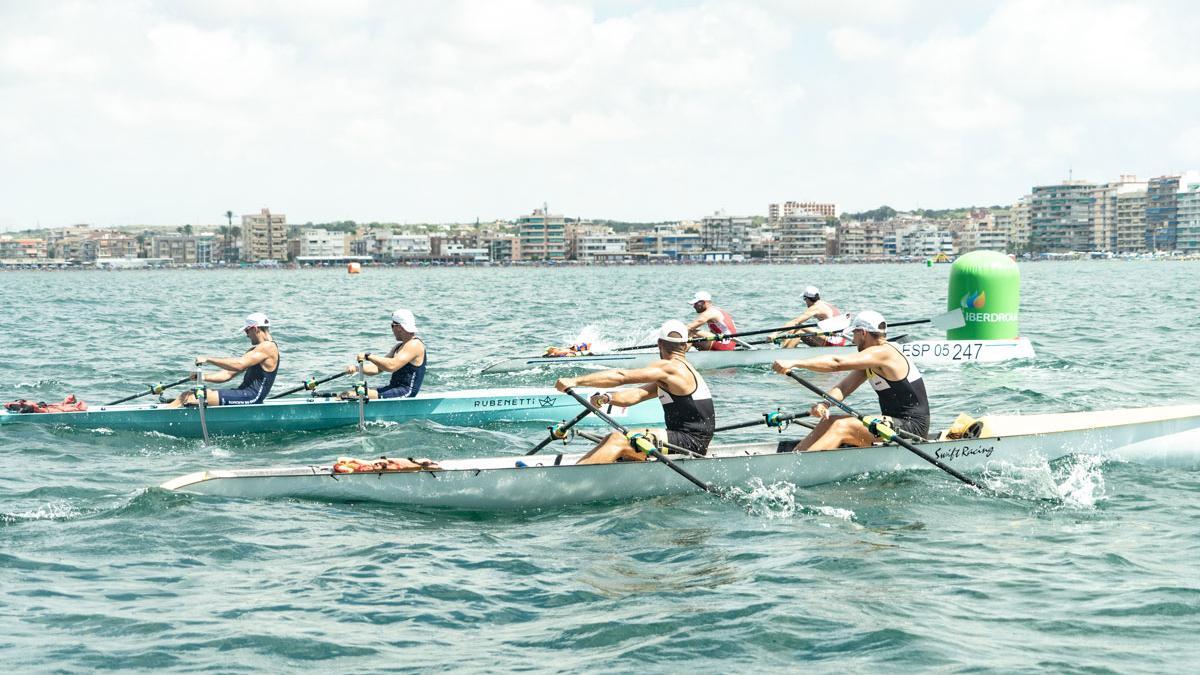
[[778, 500]]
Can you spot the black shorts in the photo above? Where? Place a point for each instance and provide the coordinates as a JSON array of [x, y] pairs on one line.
[[918, 426], [697, 443]]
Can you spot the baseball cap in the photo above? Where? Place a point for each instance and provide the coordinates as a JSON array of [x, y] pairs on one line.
[[867, 320], [701, 296], [257, 320], [673, 326], [812, 292], [406, 320]]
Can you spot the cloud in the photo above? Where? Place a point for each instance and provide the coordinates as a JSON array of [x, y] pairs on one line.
[[450, 110]]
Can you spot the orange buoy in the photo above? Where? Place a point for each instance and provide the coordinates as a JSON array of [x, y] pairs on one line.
[[354, 268]]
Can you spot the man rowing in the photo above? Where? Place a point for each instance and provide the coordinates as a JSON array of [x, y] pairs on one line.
[[405, 361], [895, 378], [259, 363], [819, 310], [686, 401], [715, 319]]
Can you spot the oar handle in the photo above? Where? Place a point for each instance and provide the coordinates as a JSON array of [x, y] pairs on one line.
[[647, 446], [151, 389], [723, 336], [310, 384], [886, 433], [559, 431], [771, 419]]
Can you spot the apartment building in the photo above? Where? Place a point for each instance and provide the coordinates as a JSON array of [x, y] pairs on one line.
[[731, 234], [264, 236], [1061, 217], [542, 235], [802, 235]]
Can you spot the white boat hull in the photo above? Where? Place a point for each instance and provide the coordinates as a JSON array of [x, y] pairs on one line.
[[924, 352], [1152, 435]]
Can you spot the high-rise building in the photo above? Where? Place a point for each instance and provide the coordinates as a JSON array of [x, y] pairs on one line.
[[802, 235], [542, 235], [264, 236], [1162, 209], [720, 232], [1131, 217], [1061, 217], [1020, 229], [1188, 212]]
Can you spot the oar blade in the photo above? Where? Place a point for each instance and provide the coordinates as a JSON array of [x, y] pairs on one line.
[[834, 323], [950, 320]]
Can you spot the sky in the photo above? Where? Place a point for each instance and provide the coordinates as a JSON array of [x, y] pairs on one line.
[[124, 112]]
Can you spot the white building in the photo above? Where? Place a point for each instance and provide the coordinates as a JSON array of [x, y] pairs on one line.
[[609, 245], [722, 233], [323, 243]]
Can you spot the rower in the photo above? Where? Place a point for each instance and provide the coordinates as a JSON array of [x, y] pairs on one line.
[[686, 401], [405, 361], [895, 378], [717, 320], [259, 364], [817, 309]]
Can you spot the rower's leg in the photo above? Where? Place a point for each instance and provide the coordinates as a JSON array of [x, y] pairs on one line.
[[212, 397], [836, 431], [791, 343], [182, 400], [613, 447]]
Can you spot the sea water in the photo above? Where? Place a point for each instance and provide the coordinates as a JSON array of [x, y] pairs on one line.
[[1082, 565]]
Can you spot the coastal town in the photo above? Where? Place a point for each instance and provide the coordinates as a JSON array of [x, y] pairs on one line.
[[1127, 218]]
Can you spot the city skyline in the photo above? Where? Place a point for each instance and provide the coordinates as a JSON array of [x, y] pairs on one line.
[[130, 112]]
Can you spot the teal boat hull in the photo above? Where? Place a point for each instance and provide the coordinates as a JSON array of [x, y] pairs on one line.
[[474, 408]]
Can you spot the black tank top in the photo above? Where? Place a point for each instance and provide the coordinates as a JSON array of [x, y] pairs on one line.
[[259, 379], [904, 398], [692, 413], [409, 377]]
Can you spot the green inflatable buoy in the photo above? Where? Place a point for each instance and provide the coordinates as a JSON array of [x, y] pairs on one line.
[[986, 285]]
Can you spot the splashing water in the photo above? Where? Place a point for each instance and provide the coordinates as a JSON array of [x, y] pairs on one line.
[[778, 500], [1083, 484], [1076, 481], [590, 334]]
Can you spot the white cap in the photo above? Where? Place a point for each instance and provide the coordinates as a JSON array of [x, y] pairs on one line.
[[673, 326], [812, 292], [701, 296], [867, 320], [406, 320], [257, 320]]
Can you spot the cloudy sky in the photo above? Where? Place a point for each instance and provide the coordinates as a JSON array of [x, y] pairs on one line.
[[142, 112]]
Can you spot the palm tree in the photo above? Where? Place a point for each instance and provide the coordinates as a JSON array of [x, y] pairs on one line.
[[227, 231]]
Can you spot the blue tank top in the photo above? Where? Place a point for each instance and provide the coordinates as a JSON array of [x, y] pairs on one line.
[[259, 380], [407, 380]]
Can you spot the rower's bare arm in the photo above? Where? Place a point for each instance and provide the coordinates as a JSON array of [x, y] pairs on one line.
[[703, 318], [633, 395], [651, 374], [869, 358], [410, 351], [250, 358], [849, 384], [219, 376]]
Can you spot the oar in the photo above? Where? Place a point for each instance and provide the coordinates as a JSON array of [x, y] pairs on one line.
[[151, 389], [201, 393], [641, 442], [883, 431], [559, 432], [311, 384], [948, 321], [774, 419], [833, 323]]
